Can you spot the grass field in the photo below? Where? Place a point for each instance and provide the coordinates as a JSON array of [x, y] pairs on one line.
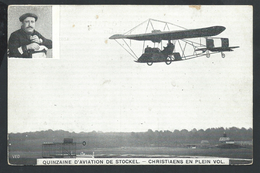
[[29, 157]]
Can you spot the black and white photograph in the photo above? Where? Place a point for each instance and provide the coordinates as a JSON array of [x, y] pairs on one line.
[[130, 85], [30, 31]]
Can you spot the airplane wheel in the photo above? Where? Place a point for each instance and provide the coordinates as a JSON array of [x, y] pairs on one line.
[[222, 55], [149, 63], [168, 61]]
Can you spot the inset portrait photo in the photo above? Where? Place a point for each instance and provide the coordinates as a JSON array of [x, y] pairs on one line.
[[30, 32]]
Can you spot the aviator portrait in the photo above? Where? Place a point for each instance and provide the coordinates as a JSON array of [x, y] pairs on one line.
[[30, 33]]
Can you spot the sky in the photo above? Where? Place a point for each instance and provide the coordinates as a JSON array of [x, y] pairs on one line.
[[95, 85]]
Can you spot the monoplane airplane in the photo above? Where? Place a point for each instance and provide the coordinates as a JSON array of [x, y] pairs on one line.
[[168, 54]]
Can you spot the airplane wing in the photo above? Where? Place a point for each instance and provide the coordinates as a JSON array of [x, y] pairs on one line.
[[158, 36], [218, 49]]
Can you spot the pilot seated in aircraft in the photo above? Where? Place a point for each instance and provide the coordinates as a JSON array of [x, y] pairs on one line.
[[27, 42], [169, 49]]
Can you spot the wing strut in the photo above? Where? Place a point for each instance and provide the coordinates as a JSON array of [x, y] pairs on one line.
[[145, 32], [134, 27], [182, 49], [165, 27], [151, 24], [130, 49], [167, 23]]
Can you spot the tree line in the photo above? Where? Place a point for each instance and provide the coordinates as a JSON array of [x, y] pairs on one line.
[[150, 138]]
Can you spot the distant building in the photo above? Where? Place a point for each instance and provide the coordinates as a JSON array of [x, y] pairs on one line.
[[226, 143], [204, 142], [59, 150], [225, 139]]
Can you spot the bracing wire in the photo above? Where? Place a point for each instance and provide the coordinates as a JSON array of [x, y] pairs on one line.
[[125, 49], [192, 42], [136, 27], [181, 48], [168, 23], [130, 48], [152, 25]]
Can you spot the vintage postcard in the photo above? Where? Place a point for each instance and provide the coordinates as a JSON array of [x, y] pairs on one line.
[[130, 85]]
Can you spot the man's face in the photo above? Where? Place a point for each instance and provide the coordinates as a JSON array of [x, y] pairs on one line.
[[28, 24]]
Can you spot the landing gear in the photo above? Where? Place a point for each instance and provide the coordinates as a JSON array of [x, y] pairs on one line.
[[149, 63], [169, 60], [207, 54], [222, 55], [172, 58]]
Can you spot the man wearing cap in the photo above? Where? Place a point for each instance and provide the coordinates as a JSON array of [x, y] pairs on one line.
[[25, 41]]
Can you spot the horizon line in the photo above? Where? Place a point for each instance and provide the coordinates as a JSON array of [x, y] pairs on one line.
[[99, 131]]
